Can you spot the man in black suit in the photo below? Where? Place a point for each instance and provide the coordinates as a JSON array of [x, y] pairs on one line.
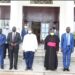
[[13, 40]]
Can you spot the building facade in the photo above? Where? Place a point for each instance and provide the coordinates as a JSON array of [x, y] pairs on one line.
[[41, 15]]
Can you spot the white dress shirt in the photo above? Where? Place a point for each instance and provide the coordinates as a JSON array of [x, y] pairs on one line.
[[13, 36], [30, 42], [68, 38]]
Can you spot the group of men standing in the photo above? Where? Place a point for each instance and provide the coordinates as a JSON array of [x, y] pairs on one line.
[[52, 47], [13, 40], [30, 46]]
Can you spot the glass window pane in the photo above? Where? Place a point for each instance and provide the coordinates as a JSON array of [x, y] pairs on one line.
[[43, 30], [43, 25], [5, 1], [41, 1], [43, 35], [46, 34], [47, 25], [46, 30], [4, 24]]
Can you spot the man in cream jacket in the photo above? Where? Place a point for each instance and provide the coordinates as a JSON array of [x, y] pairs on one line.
[[30, 45]]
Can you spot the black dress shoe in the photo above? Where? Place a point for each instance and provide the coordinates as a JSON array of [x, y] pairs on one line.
[[68, 69], [46, 68], [30, 69], [2, 66], [64, 69], [15, 68], [26, 69], [10, 68]]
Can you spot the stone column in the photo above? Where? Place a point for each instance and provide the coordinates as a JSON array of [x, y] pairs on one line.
[[16, 15], [66, 16]]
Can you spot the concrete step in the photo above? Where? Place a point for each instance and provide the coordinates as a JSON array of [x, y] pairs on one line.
[[38, 68], [34, 73], [40, 56], [41, 52], [19, 72]]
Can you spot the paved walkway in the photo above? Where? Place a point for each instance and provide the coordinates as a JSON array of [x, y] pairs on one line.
[[38, 68]]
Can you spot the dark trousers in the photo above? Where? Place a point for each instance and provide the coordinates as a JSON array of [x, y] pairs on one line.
[[29, 56], [1, 56], [5, 50], [23, 55], [74, 42], [13, 57]]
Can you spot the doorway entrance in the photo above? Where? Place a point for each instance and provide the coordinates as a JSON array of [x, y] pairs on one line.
[[36, 29], [41, 19]]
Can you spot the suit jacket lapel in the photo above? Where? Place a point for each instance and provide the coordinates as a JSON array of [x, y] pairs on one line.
[[65, 37], [70, 37], [15, 35]]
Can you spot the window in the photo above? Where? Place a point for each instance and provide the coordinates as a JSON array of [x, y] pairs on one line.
[[4, 1], [41, 1], [4, 17], [4, 24], [44, 30]]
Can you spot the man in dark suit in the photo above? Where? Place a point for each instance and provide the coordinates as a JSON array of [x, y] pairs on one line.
[[13, 40]]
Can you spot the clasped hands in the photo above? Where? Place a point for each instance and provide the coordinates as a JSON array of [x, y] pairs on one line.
[[13, 44]]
